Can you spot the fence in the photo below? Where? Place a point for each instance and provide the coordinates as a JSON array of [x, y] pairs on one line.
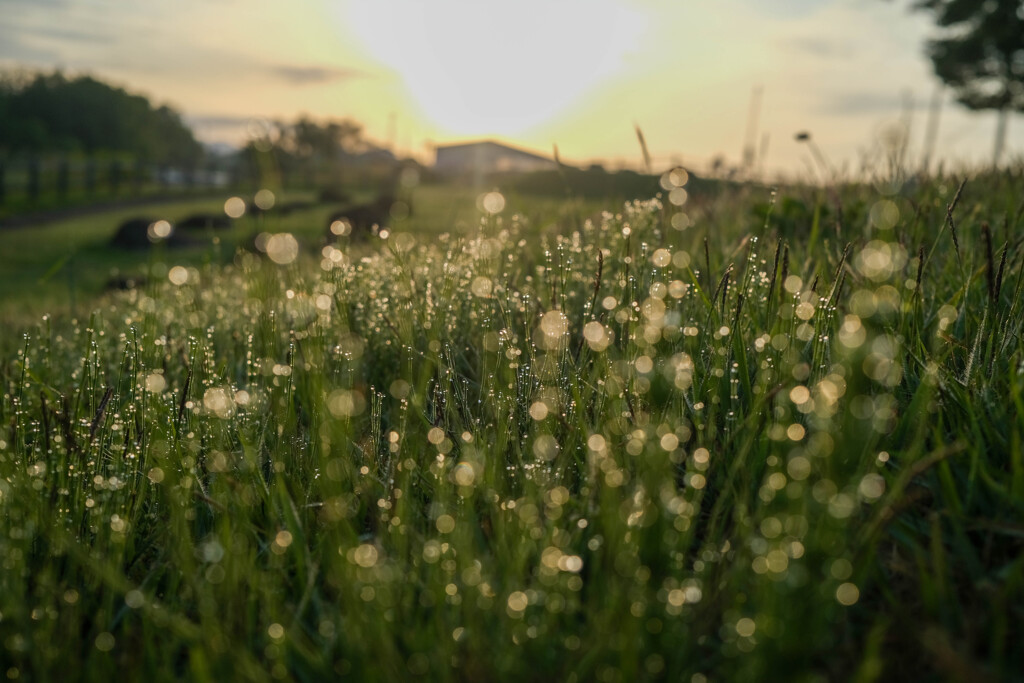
[[45, 182]]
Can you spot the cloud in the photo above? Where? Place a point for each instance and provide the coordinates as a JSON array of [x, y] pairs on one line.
[[312, 75], [820, 48], [15, 53], [872, 103], [34, 38], [36, 3], [96, 35], [785, 10], [217, 121]]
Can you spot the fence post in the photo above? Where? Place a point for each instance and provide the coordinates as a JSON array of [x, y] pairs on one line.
[[90, 176], [32, 189], [137, 176], [237, 174], [115, 176], [63, 179]]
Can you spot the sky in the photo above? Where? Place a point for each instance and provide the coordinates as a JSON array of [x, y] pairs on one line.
[[579, 74]]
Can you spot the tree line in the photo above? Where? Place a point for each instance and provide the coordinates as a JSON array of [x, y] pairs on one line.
[[54, 114], [68, 140]]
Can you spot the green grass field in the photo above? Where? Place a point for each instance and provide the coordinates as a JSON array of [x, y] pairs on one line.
[[63, 265], [779, 439]]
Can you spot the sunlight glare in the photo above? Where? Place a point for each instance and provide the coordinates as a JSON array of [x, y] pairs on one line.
[[489, 68]]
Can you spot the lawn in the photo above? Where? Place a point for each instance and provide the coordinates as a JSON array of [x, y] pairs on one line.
[[63, 265], [776, 439]]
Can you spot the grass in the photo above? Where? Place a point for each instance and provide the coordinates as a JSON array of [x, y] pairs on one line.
[[55, 265], [754, 446], [63, 265]]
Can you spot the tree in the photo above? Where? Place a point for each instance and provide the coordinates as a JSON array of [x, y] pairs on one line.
[[323, 141], [305, 146], [52, 113], [980, 54]]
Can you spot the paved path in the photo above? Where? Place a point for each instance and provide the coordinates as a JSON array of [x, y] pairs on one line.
[[28, 220]]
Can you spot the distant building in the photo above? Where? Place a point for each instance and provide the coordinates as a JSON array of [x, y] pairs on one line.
[[478, 159], [371, 156]]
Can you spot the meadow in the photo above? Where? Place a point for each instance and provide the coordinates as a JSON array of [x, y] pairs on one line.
[[757, 435], [58, 264]]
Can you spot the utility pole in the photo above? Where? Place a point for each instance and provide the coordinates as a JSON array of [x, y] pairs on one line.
[[931, 132], [997, 153], [753, 119]]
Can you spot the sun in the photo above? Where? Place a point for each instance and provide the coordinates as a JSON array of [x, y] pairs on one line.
[[490, 68]]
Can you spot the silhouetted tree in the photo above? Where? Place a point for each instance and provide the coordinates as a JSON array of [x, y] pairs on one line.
[[52, 113], [308, 139], [980, 54], [305, 146]]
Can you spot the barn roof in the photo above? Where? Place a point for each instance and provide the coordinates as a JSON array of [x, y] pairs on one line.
[[493, 143]]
